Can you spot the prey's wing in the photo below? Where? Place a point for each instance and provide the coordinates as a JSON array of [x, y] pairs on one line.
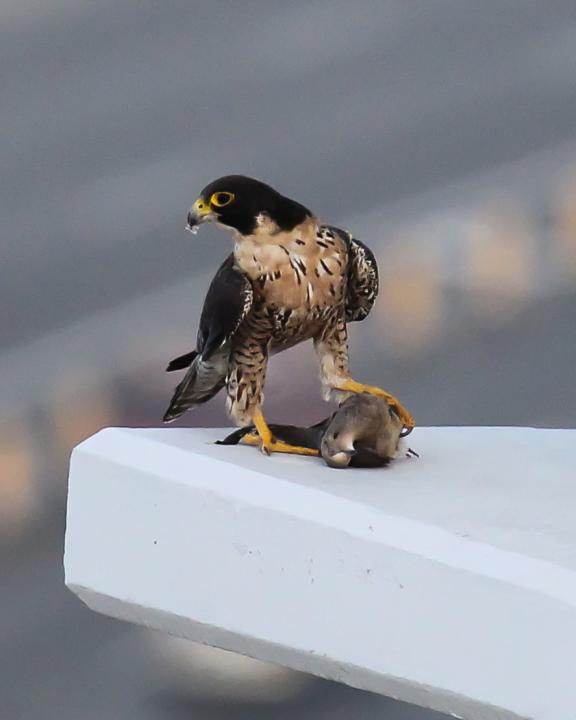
[[362, 288], [308, 437]]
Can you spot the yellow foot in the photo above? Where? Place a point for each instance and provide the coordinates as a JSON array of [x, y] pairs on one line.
[[356, 387], [277, 446], [251, 439], [267, 443]]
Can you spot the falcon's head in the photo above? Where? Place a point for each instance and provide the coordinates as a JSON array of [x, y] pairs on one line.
[[240, 203]]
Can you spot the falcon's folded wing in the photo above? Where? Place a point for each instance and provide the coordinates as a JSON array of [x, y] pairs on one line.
[[362, 277], [227, 303]]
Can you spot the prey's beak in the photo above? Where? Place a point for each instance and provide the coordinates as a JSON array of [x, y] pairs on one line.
[[337, 459], [346, 444], [338, 453], [199, 213]]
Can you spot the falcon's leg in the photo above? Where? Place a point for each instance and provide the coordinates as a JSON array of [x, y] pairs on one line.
[[273, 445], [269, 444], [332, 350], [246, 375]]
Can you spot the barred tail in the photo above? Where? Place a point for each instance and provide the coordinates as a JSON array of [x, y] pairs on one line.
[[201, 382]]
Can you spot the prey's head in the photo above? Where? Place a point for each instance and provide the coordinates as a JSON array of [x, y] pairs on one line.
[[240, 203], [357, 427]]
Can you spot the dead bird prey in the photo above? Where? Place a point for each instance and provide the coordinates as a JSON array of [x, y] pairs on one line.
[[289, 279], [363, 432]]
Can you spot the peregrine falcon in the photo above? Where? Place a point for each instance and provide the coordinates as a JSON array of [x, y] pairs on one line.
[[289, 279]]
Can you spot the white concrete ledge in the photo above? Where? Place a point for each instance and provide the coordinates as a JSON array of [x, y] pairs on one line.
[[449, 581]]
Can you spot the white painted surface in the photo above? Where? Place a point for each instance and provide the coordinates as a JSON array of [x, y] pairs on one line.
[[448, 581]]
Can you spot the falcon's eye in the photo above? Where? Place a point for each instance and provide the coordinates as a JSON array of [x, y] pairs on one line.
[[220, 199]]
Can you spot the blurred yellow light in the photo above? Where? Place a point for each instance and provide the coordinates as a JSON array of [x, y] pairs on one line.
[[411, 299], [18, 491], [211, 673], [75, 415], [566, 224], [500, 263]]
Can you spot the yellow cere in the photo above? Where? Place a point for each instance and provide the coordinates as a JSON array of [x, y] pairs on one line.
[[200, 207]]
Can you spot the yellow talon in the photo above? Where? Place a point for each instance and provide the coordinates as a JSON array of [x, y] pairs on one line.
[[356, 387], [281, 447], [267, 442], [251, 439], [264, 432]]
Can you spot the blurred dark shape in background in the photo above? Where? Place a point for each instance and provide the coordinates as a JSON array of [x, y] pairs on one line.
[[441, 133]]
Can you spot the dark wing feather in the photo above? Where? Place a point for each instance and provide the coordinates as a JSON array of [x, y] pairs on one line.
[[308, 437], [362, 277], [227, 303], [228, 300], [182, 361]]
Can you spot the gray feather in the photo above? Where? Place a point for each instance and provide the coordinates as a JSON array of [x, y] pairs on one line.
[[202, 381]]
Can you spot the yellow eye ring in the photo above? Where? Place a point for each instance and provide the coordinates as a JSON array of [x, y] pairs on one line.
[[221, 199]]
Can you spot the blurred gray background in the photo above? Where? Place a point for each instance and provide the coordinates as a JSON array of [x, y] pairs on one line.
[[443, 133]]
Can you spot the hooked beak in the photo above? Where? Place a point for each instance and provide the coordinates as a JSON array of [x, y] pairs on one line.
[[199, 213]]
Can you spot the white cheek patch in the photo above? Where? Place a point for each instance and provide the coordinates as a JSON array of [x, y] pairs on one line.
[[265, 225]]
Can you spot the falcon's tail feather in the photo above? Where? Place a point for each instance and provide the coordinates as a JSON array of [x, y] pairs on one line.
[[182, 361], [201, 382]]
